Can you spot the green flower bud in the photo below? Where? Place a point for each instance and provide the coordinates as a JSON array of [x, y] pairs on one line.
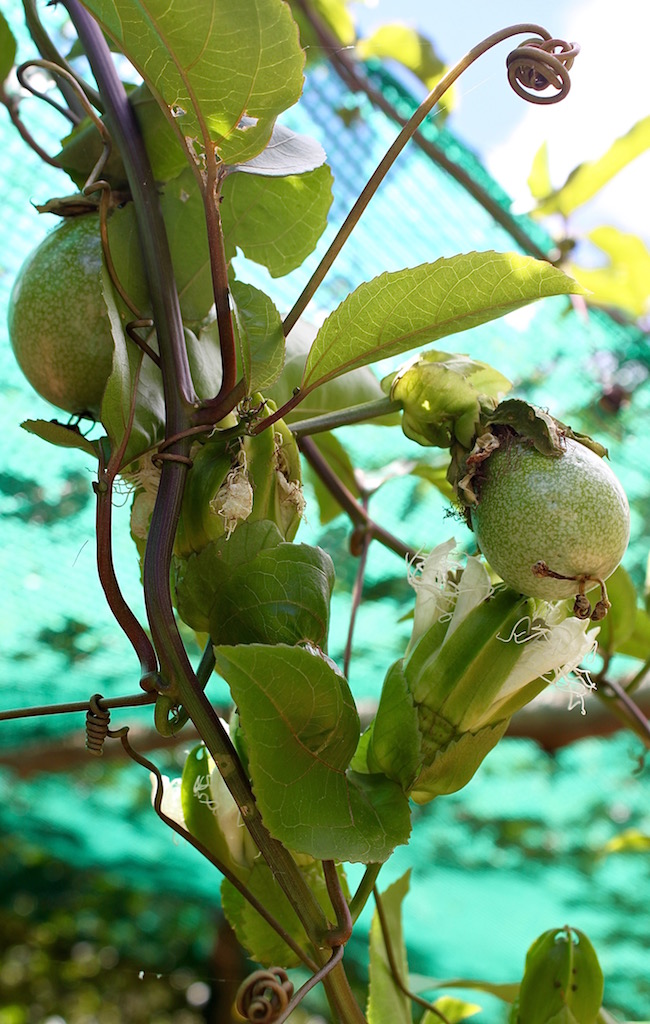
[[562, 982], [443, 397], [477, 655]]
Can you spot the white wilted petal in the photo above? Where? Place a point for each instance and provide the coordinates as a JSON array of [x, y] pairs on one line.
[[171, 804], [242, 848], [473, 587], [434, 594], [550, 651]]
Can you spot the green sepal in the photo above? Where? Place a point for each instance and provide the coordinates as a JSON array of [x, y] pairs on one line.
[[395, 739], [563, 981], [451, 767]]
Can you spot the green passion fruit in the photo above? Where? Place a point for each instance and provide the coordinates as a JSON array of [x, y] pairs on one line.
[[567, 511], [58, 320]]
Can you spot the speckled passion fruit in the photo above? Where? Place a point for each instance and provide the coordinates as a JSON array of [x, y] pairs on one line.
[[58, 321], [568, 511]]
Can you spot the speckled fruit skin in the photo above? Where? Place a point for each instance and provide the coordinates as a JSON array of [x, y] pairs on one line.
[[58, 322], [570, 512]]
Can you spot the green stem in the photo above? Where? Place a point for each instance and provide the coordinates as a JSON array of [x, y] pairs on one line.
[[364, 889], [344, 417]]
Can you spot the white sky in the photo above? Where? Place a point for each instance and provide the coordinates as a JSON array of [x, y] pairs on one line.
[[609, 92]]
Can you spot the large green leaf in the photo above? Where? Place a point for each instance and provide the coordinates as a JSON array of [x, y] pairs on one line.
[[276, 221], [251, 589], [7, 48], [222, 72], [625, 282], [259, 336], [588, 178], [387, 1004], [410, 308], [303, 728]]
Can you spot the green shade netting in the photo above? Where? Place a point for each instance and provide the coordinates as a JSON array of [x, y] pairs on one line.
[[518, 851]]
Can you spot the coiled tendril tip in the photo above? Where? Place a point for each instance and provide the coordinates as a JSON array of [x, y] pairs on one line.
[[264, 996], [537, 65]]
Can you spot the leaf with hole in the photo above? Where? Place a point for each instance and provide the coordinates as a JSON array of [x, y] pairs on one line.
[[221, 72]]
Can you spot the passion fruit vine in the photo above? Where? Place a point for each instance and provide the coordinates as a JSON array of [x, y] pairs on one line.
[[551, 525]]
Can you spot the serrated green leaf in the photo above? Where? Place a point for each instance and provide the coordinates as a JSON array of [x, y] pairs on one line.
[[276, 221], [7, 48], [259, 336], [387, 1004], [588, 178], [221, 72], [60, 435], [623, 283], [411, 308], [303, 728], [539, 179], [286, 153]]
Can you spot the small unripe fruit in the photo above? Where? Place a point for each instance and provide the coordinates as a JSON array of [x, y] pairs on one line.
[[567, 514]]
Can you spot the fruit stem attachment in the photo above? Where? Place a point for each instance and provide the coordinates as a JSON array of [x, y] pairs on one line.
[[532, 48], [582, 606]]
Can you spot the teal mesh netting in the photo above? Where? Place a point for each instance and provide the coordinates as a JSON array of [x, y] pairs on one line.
[[519, 850]]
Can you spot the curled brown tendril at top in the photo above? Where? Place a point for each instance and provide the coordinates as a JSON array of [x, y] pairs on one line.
[[537, 65]]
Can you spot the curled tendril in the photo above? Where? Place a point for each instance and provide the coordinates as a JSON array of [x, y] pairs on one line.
[[264, 996], [537, 65]]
